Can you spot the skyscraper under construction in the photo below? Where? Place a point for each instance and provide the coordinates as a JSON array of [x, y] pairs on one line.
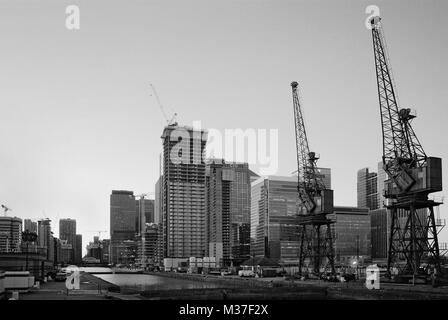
[[183, 192]]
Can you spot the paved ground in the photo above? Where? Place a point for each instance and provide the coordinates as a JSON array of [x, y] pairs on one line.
[[92, 288]]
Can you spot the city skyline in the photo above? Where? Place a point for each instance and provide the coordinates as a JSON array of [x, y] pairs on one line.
[[83, 141]]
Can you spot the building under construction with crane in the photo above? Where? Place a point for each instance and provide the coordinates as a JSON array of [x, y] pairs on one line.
[[183, 191]]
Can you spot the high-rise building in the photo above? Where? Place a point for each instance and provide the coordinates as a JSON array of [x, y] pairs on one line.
[[351, 234], [228, 211], [45, 238], [78, 249], [274, 229], [367, 189], [10, 234], [158, 197], [146, 205], [380, 230], [95, 249], [105, 251], [30, 225], [57, 249], [147, 252], [67, 231], [123, 219], [325, 174], [381, 178], [183, 192], [66, 255]]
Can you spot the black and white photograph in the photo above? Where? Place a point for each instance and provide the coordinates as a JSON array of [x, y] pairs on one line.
[[223, 158]]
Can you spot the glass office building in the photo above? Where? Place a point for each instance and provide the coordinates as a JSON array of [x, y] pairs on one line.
[[123, 219], [228, 211], [351, 234], [367, 189], [274, 229]]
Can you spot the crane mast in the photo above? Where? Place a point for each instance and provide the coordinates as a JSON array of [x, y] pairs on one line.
[[315, 202], [412, 175]]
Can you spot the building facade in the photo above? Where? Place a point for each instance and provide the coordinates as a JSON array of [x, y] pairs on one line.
[[45, 238], [274, 229], [30, 225], [367, 189], [78, 249], [145, 212], [228, 211], [10, 234], [183, 192], [352, 240], [147, 250], [67, 232], [123, 220], [380, 231]]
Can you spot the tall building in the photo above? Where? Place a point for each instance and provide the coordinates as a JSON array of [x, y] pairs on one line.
[[57, 249], [10, 234], [382, 177], [147, 252], [94, 249], [123, 219], [66, 254], [351, 234], [78, 249], [183, 192], [274, 229], [45, 238], [105, 258], [380, 231], [30, 225], [146, 205], [367, 189], [228, 211], [67, 231], [325, 174], [158, 212]]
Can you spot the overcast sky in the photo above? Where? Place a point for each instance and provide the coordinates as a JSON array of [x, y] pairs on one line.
[[77, 118]]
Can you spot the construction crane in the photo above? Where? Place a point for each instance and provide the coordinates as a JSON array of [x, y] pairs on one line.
[[5, 209], [315, 202], [99, 232], [170, 121], [412, 176]]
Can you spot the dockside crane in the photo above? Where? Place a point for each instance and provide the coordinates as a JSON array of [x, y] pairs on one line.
[[412, 176], [315, 202]]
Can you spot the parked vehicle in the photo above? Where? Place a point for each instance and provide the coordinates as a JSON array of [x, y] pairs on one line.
[[246, 273], [60, 276]]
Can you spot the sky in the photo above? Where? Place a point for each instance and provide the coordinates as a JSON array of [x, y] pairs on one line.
[[78, 118]]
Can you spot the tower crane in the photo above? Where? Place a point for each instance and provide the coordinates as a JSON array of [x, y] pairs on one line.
[[412, 176], [99, 232], [5, 209], [315, 201], [170, 122]]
